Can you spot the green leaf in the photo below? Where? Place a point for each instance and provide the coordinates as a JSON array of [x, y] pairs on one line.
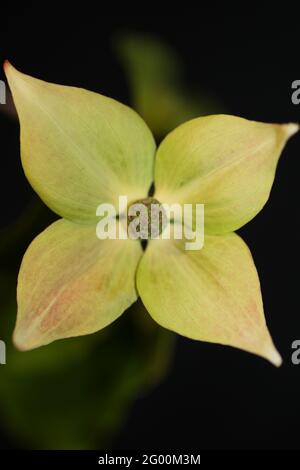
[[76, 393], [155, 77], [211, 294], [80, 149], [15, 237], [224, 162]]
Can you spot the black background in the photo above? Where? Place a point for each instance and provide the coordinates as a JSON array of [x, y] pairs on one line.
[[214, 397]]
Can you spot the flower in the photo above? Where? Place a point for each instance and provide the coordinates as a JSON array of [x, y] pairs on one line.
[[80, 149]]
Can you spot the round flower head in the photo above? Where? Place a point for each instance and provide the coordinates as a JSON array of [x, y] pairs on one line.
[[80, 149]]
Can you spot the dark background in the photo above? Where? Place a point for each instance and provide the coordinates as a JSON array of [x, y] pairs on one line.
[[213, 397]]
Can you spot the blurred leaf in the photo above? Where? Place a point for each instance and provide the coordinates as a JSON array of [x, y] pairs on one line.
[[76, 393], [155, 78], [15, 237], [73, 393]]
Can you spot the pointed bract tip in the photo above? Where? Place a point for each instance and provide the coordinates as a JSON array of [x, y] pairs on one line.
[[272, 355], [7, 65], [291, 129], [18, 343], [8, 68]]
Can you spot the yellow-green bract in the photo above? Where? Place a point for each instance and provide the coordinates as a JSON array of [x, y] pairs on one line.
[[80, 149]]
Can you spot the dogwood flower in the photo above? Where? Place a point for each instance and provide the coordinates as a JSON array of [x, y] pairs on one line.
[[80, 149]]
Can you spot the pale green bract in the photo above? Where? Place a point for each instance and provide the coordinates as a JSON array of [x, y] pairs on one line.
[[80, 149]]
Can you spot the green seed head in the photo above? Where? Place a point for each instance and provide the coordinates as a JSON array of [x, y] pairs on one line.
[[146, 218]]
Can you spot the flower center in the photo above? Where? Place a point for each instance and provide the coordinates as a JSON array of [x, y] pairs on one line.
[[146, 218]]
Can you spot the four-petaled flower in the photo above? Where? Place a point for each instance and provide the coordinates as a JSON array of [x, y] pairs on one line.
[[80, 149]]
